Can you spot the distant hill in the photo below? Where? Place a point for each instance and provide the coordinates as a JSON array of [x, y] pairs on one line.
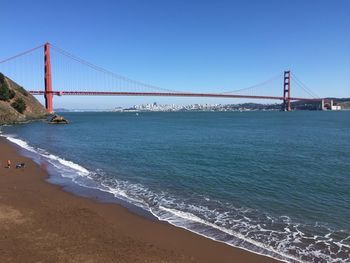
[[310, 105], [343, 102], [62, 110], [16, 104], [344, 105]]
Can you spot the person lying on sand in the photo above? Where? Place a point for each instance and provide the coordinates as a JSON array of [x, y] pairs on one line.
[[20, 165]]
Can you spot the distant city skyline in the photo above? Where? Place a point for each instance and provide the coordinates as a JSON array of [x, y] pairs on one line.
[[191, 46]]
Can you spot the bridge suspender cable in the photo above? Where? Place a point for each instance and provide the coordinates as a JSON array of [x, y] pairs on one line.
[[255, 86], [304, 87]]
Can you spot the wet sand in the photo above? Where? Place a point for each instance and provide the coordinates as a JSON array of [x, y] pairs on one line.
[[39, 222]]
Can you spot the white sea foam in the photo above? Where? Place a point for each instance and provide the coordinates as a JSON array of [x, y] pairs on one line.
[[81, 170], [21, 143], [76, 167], [191, 217]]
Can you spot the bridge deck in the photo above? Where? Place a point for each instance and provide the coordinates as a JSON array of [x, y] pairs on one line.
[[164, 94]]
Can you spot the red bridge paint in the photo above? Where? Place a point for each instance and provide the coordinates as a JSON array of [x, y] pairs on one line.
[[286, 92], [48, 81], [162, 94]]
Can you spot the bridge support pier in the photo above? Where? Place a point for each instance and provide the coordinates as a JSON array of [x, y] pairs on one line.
[[286, 92], [48, 79]]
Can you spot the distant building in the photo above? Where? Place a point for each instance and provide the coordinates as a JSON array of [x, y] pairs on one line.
[[336, 107], [118, 109], [329, 105]]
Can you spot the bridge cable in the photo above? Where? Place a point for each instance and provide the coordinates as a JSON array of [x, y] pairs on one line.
[[105, 71], [21, 54], [254, 86], [304, 87]]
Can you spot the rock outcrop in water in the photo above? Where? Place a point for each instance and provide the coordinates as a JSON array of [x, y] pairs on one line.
[[58, 120], [16, 104]]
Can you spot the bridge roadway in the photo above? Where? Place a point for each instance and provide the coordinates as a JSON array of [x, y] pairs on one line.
[[164, 94]]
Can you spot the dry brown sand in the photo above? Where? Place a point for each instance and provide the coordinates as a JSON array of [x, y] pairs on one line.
[[41, 223]]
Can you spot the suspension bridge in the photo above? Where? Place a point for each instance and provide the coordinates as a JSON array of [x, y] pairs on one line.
[[65, 74]]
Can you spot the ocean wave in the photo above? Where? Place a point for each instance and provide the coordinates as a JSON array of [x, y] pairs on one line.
[[75, 167], [240, 227]]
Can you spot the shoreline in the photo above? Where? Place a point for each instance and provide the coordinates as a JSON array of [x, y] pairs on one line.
[[41, 221]]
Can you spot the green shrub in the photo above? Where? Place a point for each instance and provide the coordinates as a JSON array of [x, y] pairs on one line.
[[23, 91], [2, 78], [4, 92], [12, 94], [19, 105]]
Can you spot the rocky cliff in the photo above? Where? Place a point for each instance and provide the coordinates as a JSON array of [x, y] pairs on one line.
[[16, 104]]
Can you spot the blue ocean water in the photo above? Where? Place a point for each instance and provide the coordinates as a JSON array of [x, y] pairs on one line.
[[276, 183]]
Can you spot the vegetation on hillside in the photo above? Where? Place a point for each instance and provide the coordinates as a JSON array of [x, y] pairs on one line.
[[16, 104], [6, 93], [19, 105], [23, 91]]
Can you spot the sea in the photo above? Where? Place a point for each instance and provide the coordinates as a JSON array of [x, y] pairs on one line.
[[274, 183]]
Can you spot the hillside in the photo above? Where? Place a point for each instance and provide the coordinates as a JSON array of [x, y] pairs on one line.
[[344, 103], [16, 104]]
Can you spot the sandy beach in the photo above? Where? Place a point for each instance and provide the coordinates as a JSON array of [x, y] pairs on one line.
[[39, 222]]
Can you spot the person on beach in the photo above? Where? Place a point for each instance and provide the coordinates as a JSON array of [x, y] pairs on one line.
[[20, 165], [8, 163]]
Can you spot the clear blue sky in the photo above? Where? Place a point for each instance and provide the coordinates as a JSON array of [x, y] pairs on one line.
[[190, 45]]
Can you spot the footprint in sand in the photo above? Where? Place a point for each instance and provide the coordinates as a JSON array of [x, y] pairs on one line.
[[10, 215]]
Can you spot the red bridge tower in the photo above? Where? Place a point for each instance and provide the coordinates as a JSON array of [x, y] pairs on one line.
[[48, 79], [286, 92]]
